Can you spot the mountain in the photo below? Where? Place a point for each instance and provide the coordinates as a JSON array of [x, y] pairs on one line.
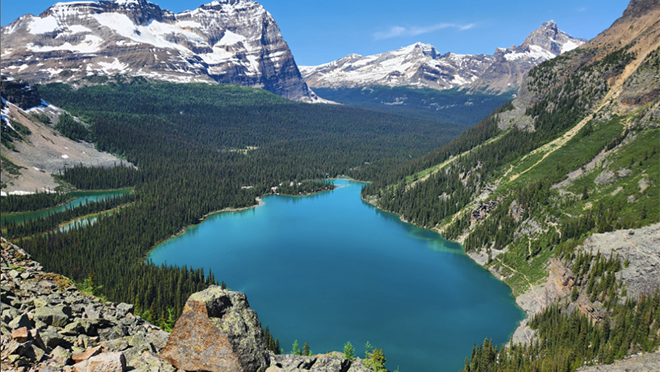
[[556, 193], [420, 65], [227, 41]]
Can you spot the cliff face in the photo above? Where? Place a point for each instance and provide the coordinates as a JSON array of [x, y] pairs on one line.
[[229, 41]]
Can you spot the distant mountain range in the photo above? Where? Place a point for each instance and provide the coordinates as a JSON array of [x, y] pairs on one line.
[[227, 41], [420, 65]]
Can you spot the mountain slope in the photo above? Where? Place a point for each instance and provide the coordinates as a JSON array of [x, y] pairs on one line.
[[420, 65], [32, 146], [228, 41], [556, 179]]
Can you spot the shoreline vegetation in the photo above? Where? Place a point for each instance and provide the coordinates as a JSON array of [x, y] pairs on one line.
[[68, 200], [259, 201], [521, 324]]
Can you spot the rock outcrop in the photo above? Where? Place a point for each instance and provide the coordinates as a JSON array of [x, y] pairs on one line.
[[227, 41], [227, 329], [48, 325]]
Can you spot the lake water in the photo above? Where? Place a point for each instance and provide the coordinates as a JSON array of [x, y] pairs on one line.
[[80, 198], [330, 268]]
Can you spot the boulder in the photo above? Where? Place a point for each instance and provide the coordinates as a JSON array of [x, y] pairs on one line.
[[329, 363], [217, 331], [20, 335], [288, 362], [61, 355], [79, 357], [150, 362], [123, 309], [55, 316], [357, 366], [107, 362], [20, 321]]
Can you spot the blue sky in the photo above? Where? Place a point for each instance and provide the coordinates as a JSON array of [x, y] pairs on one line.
[[322, 31]]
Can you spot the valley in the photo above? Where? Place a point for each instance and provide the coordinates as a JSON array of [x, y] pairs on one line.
[[219, 165]]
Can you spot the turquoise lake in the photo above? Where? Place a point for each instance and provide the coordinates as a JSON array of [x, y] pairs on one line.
[[329, 268], [80, 198]]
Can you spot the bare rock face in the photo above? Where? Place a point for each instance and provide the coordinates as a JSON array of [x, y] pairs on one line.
[[227, 41], [217, 331]]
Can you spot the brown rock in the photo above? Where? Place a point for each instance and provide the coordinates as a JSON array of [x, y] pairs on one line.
[[197, 345], [80, 367], [20, 335], [107, 362], [77, 358]]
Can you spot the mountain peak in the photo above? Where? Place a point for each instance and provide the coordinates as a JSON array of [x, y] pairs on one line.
[[225, 41], [549, 24], [421, 65], [552, 39]]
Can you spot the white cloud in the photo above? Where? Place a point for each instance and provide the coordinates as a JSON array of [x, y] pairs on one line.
[[397, 31]]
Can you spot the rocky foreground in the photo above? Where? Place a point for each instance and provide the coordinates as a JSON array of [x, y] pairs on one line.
[[48, 325]]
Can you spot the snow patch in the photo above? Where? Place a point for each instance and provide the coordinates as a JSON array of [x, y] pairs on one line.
[[230, 38], [568, 46], [188, 24], [43, 25], [115, 65], [91, 44], [154, 33], [77, 29]]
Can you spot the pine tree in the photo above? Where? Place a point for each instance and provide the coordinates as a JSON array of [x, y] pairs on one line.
[[349, 352]]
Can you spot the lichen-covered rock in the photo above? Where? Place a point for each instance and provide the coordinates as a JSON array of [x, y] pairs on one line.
[[55, 316], [230, 312], [225, 316], [290, 362], [150, 362], [358, 366], [329, 363], [61, 355], [107, 362]]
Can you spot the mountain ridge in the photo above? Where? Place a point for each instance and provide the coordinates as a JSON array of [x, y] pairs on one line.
[[227, 41], [420, 65]]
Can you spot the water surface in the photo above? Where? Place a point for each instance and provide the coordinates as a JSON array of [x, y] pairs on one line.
[[329, 268], [80, 198]]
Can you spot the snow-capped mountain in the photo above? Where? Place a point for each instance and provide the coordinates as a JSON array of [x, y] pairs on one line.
[[227, 41], [421, 65]]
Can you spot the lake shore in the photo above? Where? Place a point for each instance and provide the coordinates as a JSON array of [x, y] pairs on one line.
[[522, 333]]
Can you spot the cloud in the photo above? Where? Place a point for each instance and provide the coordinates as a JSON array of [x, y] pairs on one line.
[[397, 31]]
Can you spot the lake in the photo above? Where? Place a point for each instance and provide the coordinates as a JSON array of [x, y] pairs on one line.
[[329, 268], [80, 198]]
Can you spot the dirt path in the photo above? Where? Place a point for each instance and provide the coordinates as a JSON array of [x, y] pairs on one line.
[[612, 94]]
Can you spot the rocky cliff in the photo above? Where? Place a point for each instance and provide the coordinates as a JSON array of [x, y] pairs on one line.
[[228, 41], [420, 65]]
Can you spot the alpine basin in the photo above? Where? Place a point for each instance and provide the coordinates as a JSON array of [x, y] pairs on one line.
[[329, 268]]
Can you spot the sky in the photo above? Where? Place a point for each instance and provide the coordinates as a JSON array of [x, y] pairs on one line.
[[321, 31]]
